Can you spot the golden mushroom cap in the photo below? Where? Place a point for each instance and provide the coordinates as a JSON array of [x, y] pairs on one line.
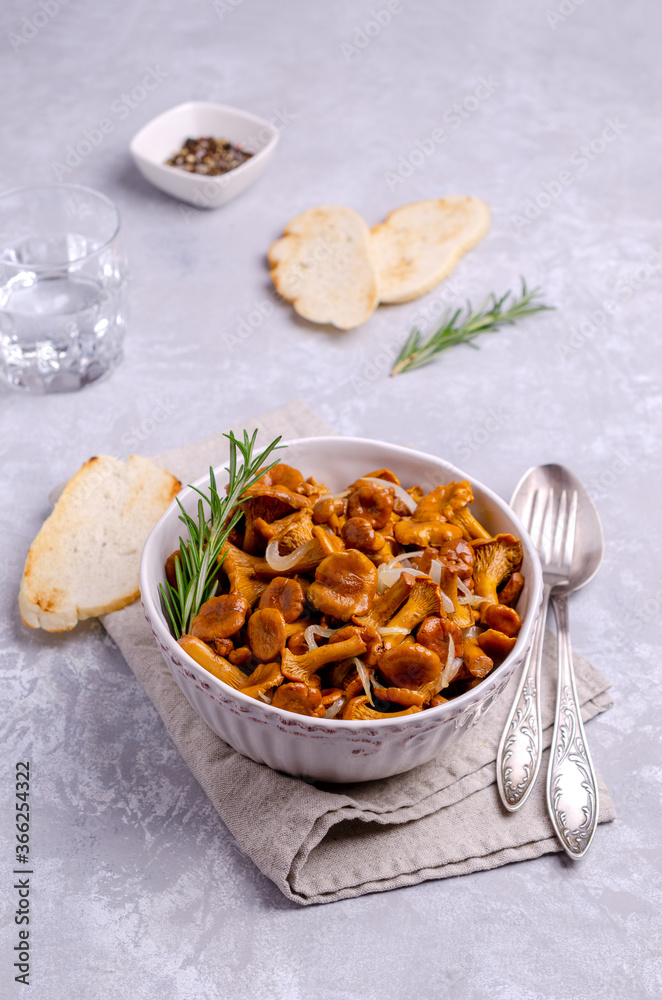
[[434, 633], [345, 584], [220, 617], [299, 698], [282, 475], [266, 634], [372, 503], [409, 666], [286, 595]]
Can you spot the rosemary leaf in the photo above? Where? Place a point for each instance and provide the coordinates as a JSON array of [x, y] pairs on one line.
[[454, 329], [216, 516]]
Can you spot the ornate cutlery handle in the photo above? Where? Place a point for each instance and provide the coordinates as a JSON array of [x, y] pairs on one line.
[[520, 749], [572, 788]]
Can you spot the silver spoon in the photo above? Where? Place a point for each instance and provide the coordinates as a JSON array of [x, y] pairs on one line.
[[565, 527]]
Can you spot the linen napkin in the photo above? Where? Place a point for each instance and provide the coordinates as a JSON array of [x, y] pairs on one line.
[[320, 843]]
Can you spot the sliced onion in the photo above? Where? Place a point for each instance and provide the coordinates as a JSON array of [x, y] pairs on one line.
[[435, 575], [471, 633], [451, 667], [463, 589], [279, 562], [457, 663], [451, 652], [387, 577], [328, 495], [400, 493], [403, 555], [393, 630], [311, 631], [474, 600], [334, 708], [446, 603], [443, 677], [388, 573], [363, 673], [264, 697]]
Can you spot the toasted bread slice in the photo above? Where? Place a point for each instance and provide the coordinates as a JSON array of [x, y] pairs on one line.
[[322, 265], [85, 559], [419, 244]]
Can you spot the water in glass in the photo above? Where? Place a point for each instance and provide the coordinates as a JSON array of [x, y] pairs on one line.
[[62, 310]]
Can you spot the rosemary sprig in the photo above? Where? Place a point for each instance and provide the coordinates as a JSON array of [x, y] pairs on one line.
[[195, 569], [489, 316]]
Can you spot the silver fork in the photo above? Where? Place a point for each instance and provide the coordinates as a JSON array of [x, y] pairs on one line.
[[552, 530]]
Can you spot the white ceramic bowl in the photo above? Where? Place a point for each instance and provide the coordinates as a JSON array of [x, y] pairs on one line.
[[329, 749], [164, 136]]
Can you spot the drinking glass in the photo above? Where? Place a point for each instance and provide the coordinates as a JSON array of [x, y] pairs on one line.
[[63, 283]]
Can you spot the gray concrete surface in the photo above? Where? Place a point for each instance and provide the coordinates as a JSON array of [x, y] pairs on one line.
[[138, 890]]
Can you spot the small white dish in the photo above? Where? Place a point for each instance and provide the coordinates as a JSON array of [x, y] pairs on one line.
[[333, 749], [164, 135]]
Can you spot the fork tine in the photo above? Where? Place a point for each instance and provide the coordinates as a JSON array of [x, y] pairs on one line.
[[547, 533], [559, 531], [536, 515], [571, 529], [526, 516]]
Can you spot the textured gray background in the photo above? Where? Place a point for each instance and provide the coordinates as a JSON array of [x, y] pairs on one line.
[[139, 891]]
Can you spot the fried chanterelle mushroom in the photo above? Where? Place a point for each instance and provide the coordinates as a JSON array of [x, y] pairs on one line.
[[495, 560], [369, 603]]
